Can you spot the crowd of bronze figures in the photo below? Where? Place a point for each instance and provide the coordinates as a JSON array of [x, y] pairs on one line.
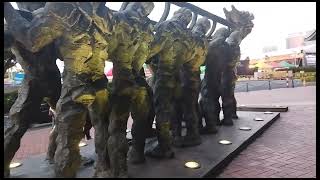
[[86, 34]]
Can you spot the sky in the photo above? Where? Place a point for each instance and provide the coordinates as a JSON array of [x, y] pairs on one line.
[[273, 22]]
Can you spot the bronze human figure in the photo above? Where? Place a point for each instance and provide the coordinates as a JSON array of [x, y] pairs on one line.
[[129, 48], [220, 77], [186, 106], [79, 29], [172, 48], [42, 81]]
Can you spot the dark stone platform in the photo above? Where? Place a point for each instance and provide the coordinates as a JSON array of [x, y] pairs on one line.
[[211, 155], [262, 108]]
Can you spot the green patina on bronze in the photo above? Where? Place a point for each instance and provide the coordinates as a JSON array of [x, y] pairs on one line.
[[42, 81], [131, 38], [79, 30], [84, 35], [186, 103], [172, 49], [220, 76]]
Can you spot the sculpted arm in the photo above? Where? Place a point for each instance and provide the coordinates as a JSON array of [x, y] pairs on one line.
[[191, 71], [158, 44], [41, 31]]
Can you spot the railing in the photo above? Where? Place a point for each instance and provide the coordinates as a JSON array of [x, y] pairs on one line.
[[254, 85], [196, 11]]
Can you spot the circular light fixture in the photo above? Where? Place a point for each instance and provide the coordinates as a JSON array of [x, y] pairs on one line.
[[258, 119], [225, 142], [268, 112], [242, 105], [192, 165], [81, 144], [245, 128], [14, 165]]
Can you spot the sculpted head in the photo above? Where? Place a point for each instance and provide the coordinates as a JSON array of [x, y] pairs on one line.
[[183, 15], [95, 5], [221, 32], [241, 19], [139, 9], [202, 25]]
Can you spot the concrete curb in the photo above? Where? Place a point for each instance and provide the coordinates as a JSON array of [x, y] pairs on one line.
[[33, 126], [38, 126]]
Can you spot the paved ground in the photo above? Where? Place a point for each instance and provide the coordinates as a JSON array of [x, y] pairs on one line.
[[286, 149]]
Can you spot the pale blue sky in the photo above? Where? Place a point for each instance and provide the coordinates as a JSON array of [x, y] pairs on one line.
[[274, 21]]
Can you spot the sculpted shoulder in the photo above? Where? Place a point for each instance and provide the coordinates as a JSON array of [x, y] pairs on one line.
[[59, 9], [173, 29]]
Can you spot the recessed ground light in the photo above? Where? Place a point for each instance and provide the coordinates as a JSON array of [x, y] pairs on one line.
[[245, 128], [81, 144], [192, 165], [268, 112], [14, 165], [258, 119], [225, 142], [154, 124]]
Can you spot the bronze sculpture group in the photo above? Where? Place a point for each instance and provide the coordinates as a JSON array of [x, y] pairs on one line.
[[85, 35]]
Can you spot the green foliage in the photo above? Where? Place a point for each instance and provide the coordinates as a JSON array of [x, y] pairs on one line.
[[310, 78], [9, 99], [299, 75], [305, 69]]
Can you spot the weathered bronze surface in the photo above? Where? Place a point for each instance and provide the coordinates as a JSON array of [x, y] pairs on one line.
[[85, 35], [130, 41], [220, 75], [188, 82], [172, 47], [79, 31], [42, 80]]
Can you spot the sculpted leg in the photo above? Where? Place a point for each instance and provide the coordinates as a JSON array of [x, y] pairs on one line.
[[140, 109], [117, 142], [176, 123], [151, 113], [87, 128], [210, 109], [234, 114], [163, 108], [190, 94], [227, 97], [71, 118], [177, 113], [98, 112], [190, 113], [121, 99], [210, 94], [54, 91], [52, 146], [22, 113]]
